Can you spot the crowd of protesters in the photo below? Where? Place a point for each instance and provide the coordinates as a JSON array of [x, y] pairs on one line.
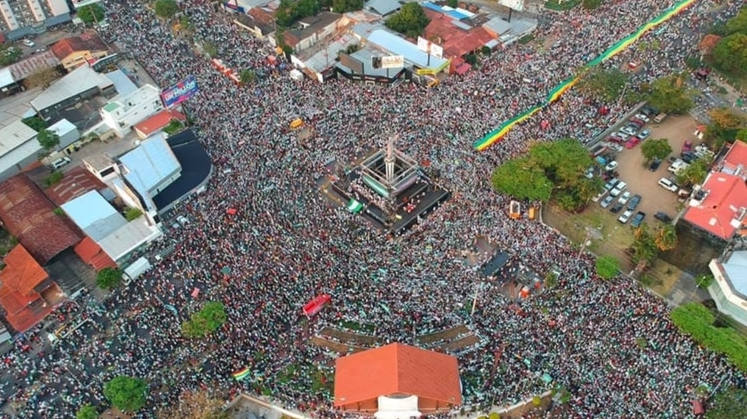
[[609, 344]]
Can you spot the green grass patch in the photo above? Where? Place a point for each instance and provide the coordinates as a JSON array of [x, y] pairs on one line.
[[357, 327], [526, 39], [560, 5]]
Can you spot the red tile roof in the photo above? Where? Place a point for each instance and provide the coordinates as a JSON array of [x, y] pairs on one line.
[[455, 41], [88, 41], [28, 215], [397, 369], [737, 155], [158, 121], [92, 254], [23, 305], [75, 183], [727, 195]]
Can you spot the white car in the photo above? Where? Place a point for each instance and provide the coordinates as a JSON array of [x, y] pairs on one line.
[[668, 185], [606, 202], [625, 197], [29, 43], [619, 188], [642, 117], [624, 217], [600, 196], [628, 130], [677, 166], [614, 146], [611, 166]]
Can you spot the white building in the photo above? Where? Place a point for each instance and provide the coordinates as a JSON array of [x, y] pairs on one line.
[[729, 289], [18, 17], [100, 221], [18, 148], [67, 132], [122, 112]]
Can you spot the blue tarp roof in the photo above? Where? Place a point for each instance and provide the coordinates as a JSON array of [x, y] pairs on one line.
[[400, 46], [453, 13]]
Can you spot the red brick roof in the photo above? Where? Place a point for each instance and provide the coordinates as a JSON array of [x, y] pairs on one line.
[[737, 155], [455, 41], [88, 41], [396, 369], [28, 215], [23, 306], [727, 195], [92, 254], [158, 121], [75, 183]]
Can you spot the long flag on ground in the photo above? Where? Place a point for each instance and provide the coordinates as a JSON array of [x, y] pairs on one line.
[[241, 374]]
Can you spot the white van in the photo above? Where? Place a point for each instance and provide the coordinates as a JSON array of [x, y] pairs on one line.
[[62, 161], [136, 269]]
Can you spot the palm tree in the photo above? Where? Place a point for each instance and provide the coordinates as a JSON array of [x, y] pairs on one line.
[[666, 238], [644, 246], [693, 174]]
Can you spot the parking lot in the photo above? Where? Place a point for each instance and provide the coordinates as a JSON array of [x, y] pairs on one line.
[[642, 181]]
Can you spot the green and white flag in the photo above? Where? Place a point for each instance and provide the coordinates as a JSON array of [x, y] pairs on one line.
[[354, 206]]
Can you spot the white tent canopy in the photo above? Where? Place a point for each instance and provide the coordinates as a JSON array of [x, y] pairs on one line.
[[296, 75], [397, 408]]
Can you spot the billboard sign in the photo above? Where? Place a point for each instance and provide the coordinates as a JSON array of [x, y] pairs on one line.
[[430, 48], [179, 92], [354, 65], [77, 4], [389, 61], [517, 5]]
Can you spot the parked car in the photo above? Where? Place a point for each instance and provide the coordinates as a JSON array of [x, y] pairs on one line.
[[600, 196], [654, 166], [643, 117], [649, 111], [634, 201], [638, 122], [606, 201], [614, 146], [638, 219], [644, 134], [688, 146], [29, 43], [668, 185], [689, 157], [619, 188], [629, 129], [615, 138], [624, 198], [663, 217], [616, 208], [610, 185], [677, 166], [624, 217], [632, 142], [611, 166]]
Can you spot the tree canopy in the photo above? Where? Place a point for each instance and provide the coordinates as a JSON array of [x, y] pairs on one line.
[[411, 20], [656, 149], [109, 278], [289, 12], [606, 85], [165, 9], [550, 167], [725, 126], [126, 393], [728, 404], [644, 245], [206, 321], [87, 412], [91, 13], [670, 95], [344, 6], [591, 4], [35, 123], [9, 54], [48, 139], [607, 267], [737, 24], [666, 237], [693, 174], [730, 53]]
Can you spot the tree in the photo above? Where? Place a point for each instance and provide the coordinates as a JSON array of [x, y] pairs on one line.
[[247, 76], [126, 393], [165, 9], [737, 24], [693, 174], [344, 6], [666, 237], [521, 179], [41, 78], [591, 4], [669, 95], [108, 278], [48, 139], [411, 20], [87, 412], [644, 246], [91, 13], [9, 54], [728, 404], [606, 85], [35, 123], [730, 53], [707, 44], [725, 126], [452, 3], [656, 149], [195, 405], [201, 323], [607, 267], [132, 214]]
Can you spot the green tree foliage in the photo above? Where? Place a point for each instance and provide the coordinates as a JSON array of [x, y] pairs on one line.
[[607, 267], [91, 13], [108, 278], [644, 245], [591, 4], [693, 174], [344, 6], [48, 139], [697, 321], [35, 123], [290, 12], [132, 214], [173, 127], [666, 237], [737, 24], [522, 179], [704, 280], [53, 178], [656, 149], [411, 20], [209, 319], [165, 9], [87, 412], [669, 95], [726, 125], [247, 76], [452, 3], [730, 54], [9, 54], [728, 404], [126, 393]]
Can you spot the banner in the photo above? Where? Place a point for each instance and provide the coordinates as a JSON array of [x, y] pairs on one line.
[[179, 92], [430, 48], [241, 374], [497, 134], [314, 306], [354, 206]]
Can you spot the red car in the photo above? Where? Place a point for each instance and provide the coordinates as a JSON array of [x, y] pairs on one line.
[[616, 139], [632, 142], [638, 122], [688, 146]]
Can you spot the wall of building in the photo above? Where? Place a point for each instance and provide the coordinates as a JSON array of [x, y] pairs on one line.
[[725, 306], [128, 114], [57, 7], [78, 58]]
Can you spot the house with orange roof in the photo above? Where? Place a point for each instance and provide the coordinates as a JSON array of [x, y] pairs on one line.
[[27, 294], [734, 161], [719, 207], [457, 37], [158, 122], [78, 50], [397, 381]]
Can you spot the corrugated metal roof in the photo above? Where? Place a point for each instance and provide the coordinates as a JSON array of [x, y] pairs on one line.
[[400, 46], [80, 80], [128, 237], [6, 77], [497, 25], [383, 7], [122, 82], [14, 135], [149, 164], [92, 214]]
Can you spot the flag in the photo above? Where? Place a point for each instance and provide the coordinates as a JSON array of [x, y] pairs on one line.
[[241, 374], [354, 206]]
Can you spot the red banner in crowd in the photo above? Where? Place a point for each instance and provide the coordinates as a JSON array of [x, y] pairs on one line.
[[315, 305]]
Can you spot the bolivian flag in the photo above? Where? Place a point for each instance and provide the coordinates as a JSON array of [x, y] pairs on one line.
[[241, 374]]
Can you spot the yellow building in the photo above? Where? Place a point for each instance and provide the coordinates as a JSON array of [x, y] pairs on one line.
[[77, 50]]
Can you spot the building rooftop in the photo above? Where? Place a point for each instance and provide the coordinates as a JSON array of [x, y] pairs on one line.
[[397, 369], [735, 269], [91, 253], [497, 25], [717, 213], [735, 160], [22, 304], [14, 135], [132, 100], [382, 7], [33, 63], [397, 45], [128, 237], [310, 26], [94, 215], [88, 41], [80, 80], [158, 121], [76, 182], [28, 215], [456, 38], [6, 77], [122, 82], [196, 168], [149, 163]]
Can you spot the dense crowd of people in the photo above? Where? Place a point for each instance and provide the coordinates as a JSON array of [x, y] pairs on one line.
[[609, 344]]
